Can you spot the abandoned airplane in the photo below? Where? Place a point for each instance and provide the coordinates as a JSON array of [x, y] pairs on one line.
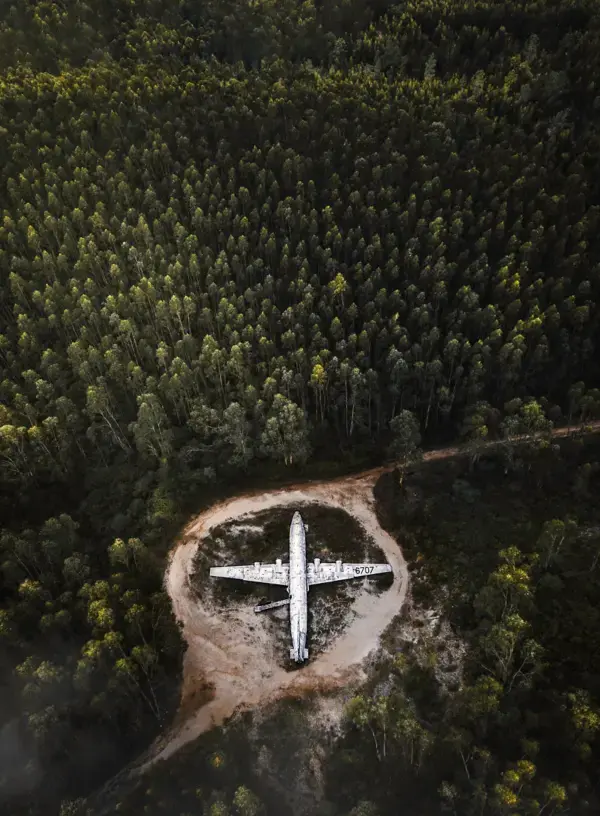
[[298, 576]]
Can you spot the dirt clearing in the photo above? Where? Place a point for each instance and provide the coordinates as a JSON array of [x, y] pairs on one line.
[[230, 653], [230, 663]]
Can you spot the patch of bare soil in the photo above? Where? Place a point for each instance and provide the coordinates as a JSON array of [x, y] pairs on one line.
[[331, 534], [230, 650]]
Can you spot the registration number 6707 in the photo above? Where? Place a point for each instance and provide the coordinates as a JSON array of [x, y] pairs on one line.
[[363, 570]]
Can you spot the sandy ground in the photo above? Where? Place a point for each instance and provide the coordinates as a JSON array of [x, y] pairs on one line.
[[231, 651]]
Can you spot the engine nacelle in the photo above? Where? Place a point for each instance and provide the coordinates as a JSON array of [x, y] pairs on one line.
[[317, 562], [338, 566], [278, 563], [257, 564]]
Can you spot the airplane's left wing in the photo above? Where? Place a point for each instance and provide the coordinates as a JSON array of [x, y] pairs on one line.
[[277, 573], [319, 573]]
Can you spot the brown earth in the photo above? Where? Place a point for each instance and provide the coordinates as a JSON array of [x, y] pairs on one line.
[[230, 663]]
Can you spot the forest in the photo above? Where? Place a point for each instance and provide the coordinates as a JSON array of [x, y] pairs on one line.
[[247, 240]]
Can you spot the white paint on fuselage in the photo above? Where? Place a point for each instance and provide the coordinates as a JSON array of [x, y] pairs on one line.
[[298, 588]]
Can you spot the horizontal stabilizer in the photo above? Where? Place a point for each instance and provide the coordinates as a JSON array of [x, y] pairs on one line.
[[320, 573], [274, 605], [277, 574]]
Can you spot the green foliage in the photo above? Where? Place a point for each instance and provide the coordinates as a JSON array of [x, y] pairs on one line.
[[364, 809], [518, 730], [285, 435], [406, 438], [383, 224], [246, 803]]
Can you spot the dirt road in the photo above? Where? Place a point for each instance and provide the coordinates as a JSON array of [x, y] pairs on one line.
[[231, 652]]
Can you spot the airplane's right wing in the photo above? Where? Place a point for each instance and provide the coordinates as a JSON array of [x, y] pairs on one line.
[[277, 573], [318, 573]]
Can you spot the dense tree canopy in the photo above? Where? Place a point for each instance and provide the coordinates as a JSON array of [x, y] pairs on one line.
[[235, 233]]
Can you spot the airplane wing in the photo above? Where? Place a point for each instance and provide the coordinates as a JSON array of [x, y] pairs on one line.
[[258, 573], [318, 573]]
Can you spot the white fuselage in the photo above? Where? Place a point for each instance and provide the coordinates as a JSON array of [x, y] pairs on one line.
[[298, 588]]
